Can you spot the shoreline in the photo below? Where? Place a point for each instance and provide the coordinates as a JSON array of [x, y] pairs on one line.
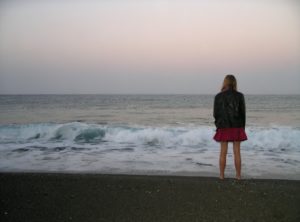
[[161, 173], [121, 197]]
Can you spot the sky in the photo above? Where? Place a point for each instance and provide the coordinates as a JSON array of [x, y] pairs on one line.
[[149, 47]]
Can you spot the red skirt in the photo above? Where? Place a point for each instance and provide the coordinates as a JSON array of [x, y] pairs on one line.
[[230, 135]]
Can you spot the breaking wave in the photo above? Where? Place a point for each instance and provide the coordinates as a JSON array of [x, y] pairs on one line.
[[275, 138]]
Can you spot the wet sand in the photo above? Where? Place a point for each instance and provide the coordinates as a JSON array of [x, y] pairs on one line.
[[97, 197]]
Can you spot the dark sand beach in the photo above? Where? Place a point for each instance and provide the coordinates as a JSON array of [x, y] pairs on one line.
[[97, 197]]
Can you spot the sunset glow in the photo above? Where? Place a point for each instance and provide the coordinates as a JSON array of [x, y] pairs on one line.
[[179, 37]]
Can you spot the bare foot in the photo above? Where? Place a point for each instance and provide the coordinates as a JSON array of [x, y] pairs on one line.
[[221, 177], [238, 177]]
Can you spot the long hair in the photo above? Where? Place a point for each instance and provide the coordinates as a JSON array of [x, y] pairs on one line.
[[229, 83]]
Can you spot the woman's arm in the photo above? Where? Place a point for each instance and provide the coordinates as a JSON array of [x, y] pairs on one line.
[[243, 110], [215, 111]]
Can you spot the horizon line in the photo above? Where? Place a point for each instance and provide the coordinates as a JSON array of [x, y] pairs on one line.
[[145, 94]]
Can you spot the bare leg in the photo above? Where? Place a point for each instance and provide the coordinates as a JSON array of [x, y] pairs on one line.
[[222, 161], [237, 158]]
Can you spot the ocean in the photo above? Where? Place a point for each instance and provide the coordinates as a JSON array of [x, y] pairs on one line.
[[144, 134]]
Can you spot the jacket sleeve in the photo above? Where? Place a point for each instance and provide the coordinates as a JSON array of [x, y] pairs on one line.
[[243, 110], [215, 111]]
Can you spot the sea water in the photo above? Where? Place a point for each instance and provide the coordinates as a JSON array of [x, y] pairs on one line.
[[144, 134]]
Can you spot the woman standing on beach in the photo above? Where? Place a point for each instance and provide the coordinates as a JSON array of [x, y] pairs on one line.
[[230, 120]]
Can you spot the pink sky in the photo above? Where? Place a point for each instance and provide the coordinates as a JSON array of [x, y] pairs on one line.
[[247, 38]]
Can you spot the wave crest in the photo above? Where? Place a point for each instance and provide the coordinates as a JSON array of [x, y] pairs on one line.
[[259, 138]]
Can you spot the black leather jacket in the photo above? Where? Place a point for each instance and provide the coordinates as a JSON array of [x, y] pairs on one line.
[[229, 109]]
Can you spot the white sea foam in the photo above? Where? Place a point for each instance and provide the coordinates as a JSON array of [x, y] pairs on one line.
[[259, 137], [79, 146]]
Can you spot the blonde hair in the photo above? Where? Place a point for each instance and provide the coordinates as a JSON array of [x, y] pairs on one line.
[[229, 83]]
